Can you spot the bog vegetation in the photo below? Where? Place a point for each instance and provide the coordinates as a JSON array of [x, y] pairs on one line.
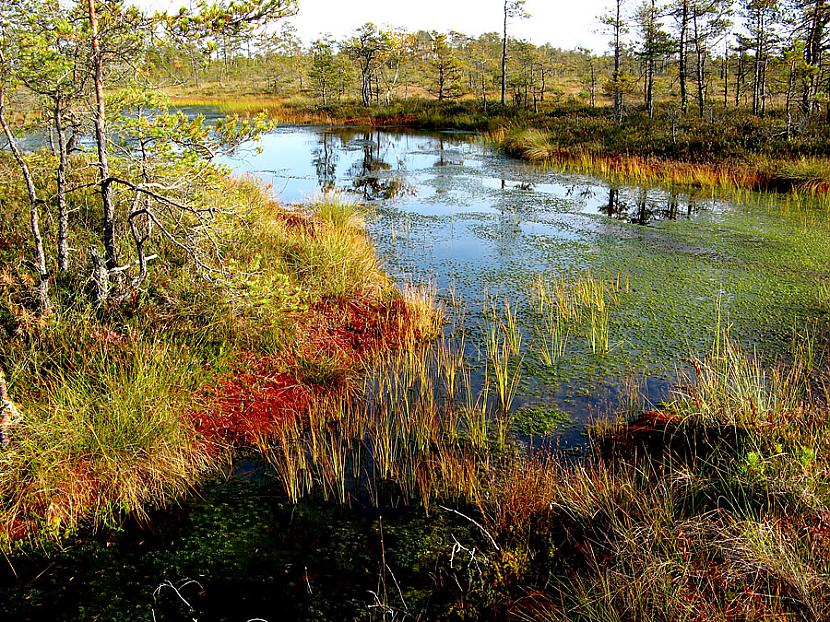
[[143, 287], [157, 314]]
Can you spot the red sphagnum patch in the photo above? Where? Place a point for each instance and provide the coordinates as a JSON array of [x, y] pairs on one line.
[[264, 391]]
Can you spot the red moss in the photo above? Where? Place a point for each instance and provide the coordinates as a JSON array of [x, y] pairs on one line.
[[18, 528], [294, 221], [248, 405], [649, 434], [358, 329]]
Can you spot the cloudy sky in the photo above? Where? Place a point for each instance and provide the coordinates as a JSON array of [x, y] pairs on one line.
[[563, 23]]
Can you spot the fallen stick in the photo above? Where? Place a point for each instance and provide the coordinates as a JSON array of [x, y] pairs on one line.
[[8, 411]]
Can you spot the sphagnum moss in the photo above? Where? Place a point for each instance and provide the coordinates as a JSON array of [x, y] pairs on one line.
[[129, 411]]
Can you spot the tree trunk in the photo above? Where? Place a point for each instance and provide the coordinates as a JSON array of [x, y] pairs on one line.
[[42, 287], [63, 210], [739, 79], [700, 72], [757, 88], [440, 82], [682, 59], [504, 57], [100, 277], [790, 96], [726, 77], [764, 94], [812, 56], [618, 97], [8, 412], [483, 86], [101, 141], [593, 86], [366, 86]]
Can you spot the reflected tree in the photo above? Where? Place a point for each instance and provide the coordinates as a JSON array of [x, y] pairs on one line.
[[372, 180], [325, 162]]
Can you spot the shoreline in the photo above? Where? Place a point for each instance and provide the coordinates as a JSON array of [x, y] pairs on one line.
[[161, 404], [528, 139]]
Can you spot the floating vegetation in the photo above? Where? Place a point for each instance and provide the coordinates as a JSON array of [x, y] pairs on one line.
[[539, 420]]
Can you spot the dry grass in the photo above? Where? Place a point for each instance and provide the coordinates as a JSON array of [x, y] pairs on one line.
[[111, 421], [804, 175]]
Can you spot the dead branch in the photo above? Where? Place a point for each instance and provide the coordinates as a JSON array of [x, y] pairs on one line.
[[8, 411]]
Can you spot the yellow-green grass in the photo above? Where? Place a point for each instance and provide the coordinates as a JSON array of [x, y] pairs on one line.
[[804, 175], [111, 400]]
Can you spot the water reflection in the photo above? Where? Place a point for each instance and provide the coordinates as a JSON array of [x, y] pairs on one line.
[[375, 179], [446, 156], [644, 210], [324, 159]]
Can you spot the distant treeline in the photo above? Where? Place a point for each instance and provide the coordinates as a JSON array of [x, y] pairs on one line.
[[761, 55]]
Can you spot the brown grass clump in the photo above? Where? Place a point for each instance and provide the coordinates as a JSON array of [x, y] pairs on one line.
[[128, 409]]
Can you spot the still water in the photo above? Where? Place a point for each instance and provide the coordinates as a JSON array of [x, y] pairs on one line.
[[445, 209]]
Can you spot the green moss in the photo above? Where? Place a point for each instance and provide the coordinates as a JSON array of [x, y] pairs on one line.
[[540, 420]]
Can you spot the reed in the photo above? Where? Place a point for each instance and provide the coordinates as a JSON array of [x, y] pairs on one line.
[[803, 175], [824, 296], [591, 294], [402, 432], [562, 307], [732, 388], [552, 337], [424, 316]]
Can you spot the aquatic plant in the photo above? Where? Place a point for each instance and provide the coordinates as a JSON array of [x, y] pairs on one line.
[[562, 306], [731, 388], [503, 357]]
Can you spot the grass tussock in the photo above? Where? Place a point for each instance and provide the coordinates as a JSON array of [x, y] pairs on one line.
[[724, 519], [128, 408], [106, 433]]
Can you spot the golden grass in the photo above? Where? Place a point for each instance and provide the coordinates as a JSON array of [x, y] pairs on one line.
[[809, 176], [109, 407], [108, 435]]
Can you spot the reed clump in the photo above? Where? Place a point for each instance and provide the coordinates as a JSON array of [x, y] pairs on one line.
[[106, 433], [581, 306], [704, 525], [128, 408]]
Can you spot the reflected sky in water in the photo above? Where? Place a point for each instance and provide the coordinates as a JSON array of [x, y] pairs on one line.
[[448, 210]]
